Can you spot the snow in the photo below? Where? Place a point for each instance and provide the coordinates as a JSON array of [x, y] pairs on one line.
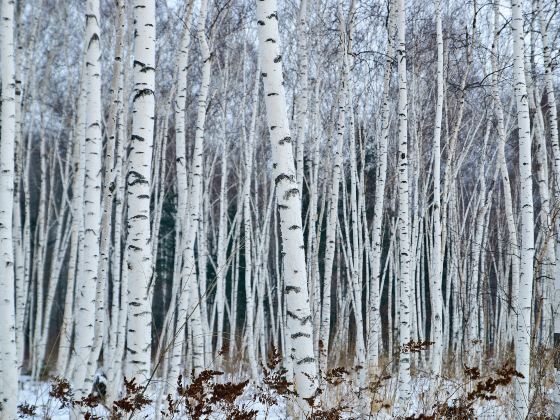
[[37, 394], [425, 393]]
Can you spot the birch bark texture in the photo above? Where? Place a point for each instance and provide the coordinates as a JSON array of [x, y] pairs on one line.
[[437, 261], [8, 355], [380, 181], [404, 388], [247, 226], [138, 249], [504, 174], [332, 212], [553, 128], [174, 356], [190, 299], [288, 196], [84, 332], [523, 337]]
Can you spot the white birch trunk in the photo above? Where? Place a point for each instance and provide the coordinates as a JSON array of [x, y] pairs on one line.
[[138, 249], [298, 311], [9, 365], [381, 177], [116, 131], [222, 245], [523, 337], [109, 190], [551, 113], [120, 283], [404, 387], [248, 228], [85, 303], [513, 250], [301, 99], [173, 355], [332, 212], [77, 225], [437, 257], [189, 296]]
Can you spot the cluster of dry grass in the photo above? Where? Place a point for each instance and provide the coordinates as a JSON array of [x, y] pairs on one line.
[[466, 393]]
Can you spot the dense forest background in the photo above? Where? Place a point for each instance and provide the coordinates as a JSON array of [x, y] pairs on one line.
[[371, 186]]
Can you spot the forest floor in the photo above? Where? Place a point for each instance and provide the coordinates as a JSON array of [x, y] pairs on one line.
[[492, 401], [36, 396]]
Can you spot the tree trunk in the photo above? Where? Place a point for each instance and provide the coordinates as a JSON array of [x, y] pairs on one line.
[[298, 312], [523, 337], [85, 305], [404, 387], [138, 249], [9, 365]]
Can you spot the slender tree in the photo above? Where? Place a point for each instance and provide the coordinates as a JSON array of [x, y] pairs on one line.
[[405, 302], [9, 364], [381, 179], [435, 286], [288, 197], [86, 297], [138, 250], [525, 300]]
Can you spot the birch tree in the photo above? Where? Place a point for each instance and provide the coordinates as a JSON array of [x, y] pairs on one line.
[[84, 328], [9, 363], [139, 261], [404, 387], [381, 178], [288, 198], [182, 188], [523, 336], [332, 212], [437, 260], [553, 128]]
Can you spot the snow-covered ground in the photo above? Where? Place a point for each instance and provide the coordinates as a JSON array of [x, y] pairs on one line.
[[37, 394], [426, 393]]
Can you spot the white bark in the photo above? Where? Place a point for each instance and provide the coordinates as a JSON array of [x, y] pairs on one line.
[[77, 234], [523, 337], [356, 246], [248, 228], [381, 177], [545, 250], [404, 386], [9, 365], [78, 204], [191, 278], [37, 265], [138, 249], [332, 221], [437, 258], [298, 311], [109, 189], [551, 113], [120, 284], [174, 353], [222, 266], [189, 296], [85, 304], [116, 131], [301, 99], [513, 250]]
